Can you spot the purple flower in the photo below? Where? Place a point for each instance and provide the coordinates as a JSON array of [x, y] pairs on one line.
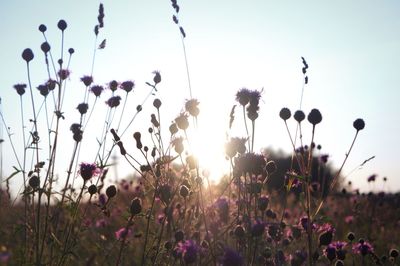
[[127, 86], [250, 163], [64, 73], [304, 223], [371, 178], [20, 88], [101, 223], [363, 248], [87, 80], [114, 101], [189, 251], [231, 258], [88, 170], [243, 96], [97, 90], [257, 229], [122, 233]]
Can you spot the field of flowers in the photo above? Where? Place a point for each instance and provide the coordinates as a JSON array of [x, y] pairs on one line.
[[263, 212]]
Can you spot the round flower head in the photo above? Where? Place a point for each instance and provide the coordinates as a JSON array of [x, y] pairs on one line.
[[113, 85], [51, 84], [45, 47], [71, 51], [299, 116], [27, 55], [82, 108], [123, 233], [43, 89], [20, 88], [64, 73], [127, 86], [111, 191], [157, 103], [359, 124], [62, 25], [285, 113], [363, 248], [88, 170], [314, 117], [42, 28], [136, 206]]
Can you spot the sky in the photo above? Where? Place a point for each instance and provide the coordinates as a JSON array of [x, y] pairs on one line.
[[352, 48]]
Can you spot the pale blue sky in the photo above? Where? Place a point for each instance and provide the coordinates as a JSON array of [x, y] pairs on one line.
[[352, 48]]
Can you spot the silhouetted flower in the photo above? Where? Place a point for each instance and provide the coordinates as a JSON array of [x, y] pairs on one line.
[[27, 55], [111, 191], [51, 84], [243, 96], [173, 129], [43, 89], [113, 85], [285, 113], [177, 143], [234, 146], [371, 178], [136, 206], [71, 51], [314, 117], [114, 101], [299, 116], [97, 90], [20, 88], [62, 25], [254, 97], [42, 28], [45, 47], [75, 128], [88, 170], [157, 77], [182, 121], [34, 181], [191, 106], [250, 163], [87, 80], [127, 86], [263, 202], [231, 258], [122, 233], [63, 74], [82, 108], [330, 252], [92, 189], [359, 124]]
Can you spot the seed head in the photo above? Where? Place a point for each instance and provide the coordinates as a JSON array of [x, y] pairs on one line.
[[285, 113], [45, 47], [62, 25], [136, 206], [192, 107], [111, 191], [359, 124], [27, 55], [157, 103], [20, 88], [42, 28], [87, 80], [127, 86], [34, 181], [92, 189], [314, 117], [82, 108], [157, 77], [299, 116], [137, 137], [184, 191], [394, 253]]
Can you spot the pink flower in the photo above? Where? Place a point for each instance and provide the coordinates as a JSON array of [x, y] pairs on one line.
[[122, 233]]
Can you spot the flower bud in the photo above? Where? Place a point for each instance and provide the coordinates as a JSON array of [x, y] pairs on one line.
[[136, 206], [299, 116], [62, 25], [137, 137], [285, 113], [34, 181], [111, 191], [314, 117], [45, 47], [27, 55], [157, 103], [92, 189], [359, 124], [184, 191], [42, 28]]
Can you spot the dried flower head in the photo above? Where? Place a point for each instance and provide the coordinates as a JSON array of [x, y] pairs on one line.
[[45, 47], [88, 170], [97, 90], [113, 85], [43, 89], [127, 86], [243, 96], [285, 113], [113, 101], [42, 28], [359, 124], [192, 107], [87, 80], [62, 25], [157, 103], [157, 77], [314, 117], [27, 55], [299, 116], [64, 74], [182, 121], [20, 88]]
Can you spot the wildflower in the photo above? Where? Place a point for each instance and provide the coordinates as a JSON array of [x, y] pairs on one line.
[[254, 97], [71, 51], [164, 193], [101, 223], [362, 248], [63, 74], [330, 252], [123, 233], [239, 231], [127, 86], [157, 77], [234, 146], [394, 253], [314, 117], [43, 89], [113, 85], [97, 90], [92, 189], [154, 121], [27, 55], [250, 163], [304, 223], [75, 128], [42, 28], [359, 124], [51, 84], [82, 108], [87, 80], [20, 88], [263, 202], [191, 106], [285, 113], [157, 103], [189, 251], [252, 112], [299, 116], [45, 47], [339, 247], [114, 101], [136, 206], [111, 191], [231, 258], [184, 191], [173, 129], [371, 178], [326, 236], [222, 205], [88, 170], [182, 121], [137, 137], [257, 229], [243, 96], [62, 25], [34, 181], [349, 219]]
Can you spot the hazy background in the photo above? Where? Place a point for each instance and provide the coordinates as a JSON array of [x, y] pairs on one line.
[[352, 48]]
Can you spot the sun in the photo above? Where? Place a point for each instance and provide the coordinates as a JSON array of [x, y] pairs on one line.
[[208, 147]]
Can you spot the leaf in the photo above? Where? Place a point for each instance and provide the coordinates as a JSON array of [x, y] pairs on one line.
[[102, 44]]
